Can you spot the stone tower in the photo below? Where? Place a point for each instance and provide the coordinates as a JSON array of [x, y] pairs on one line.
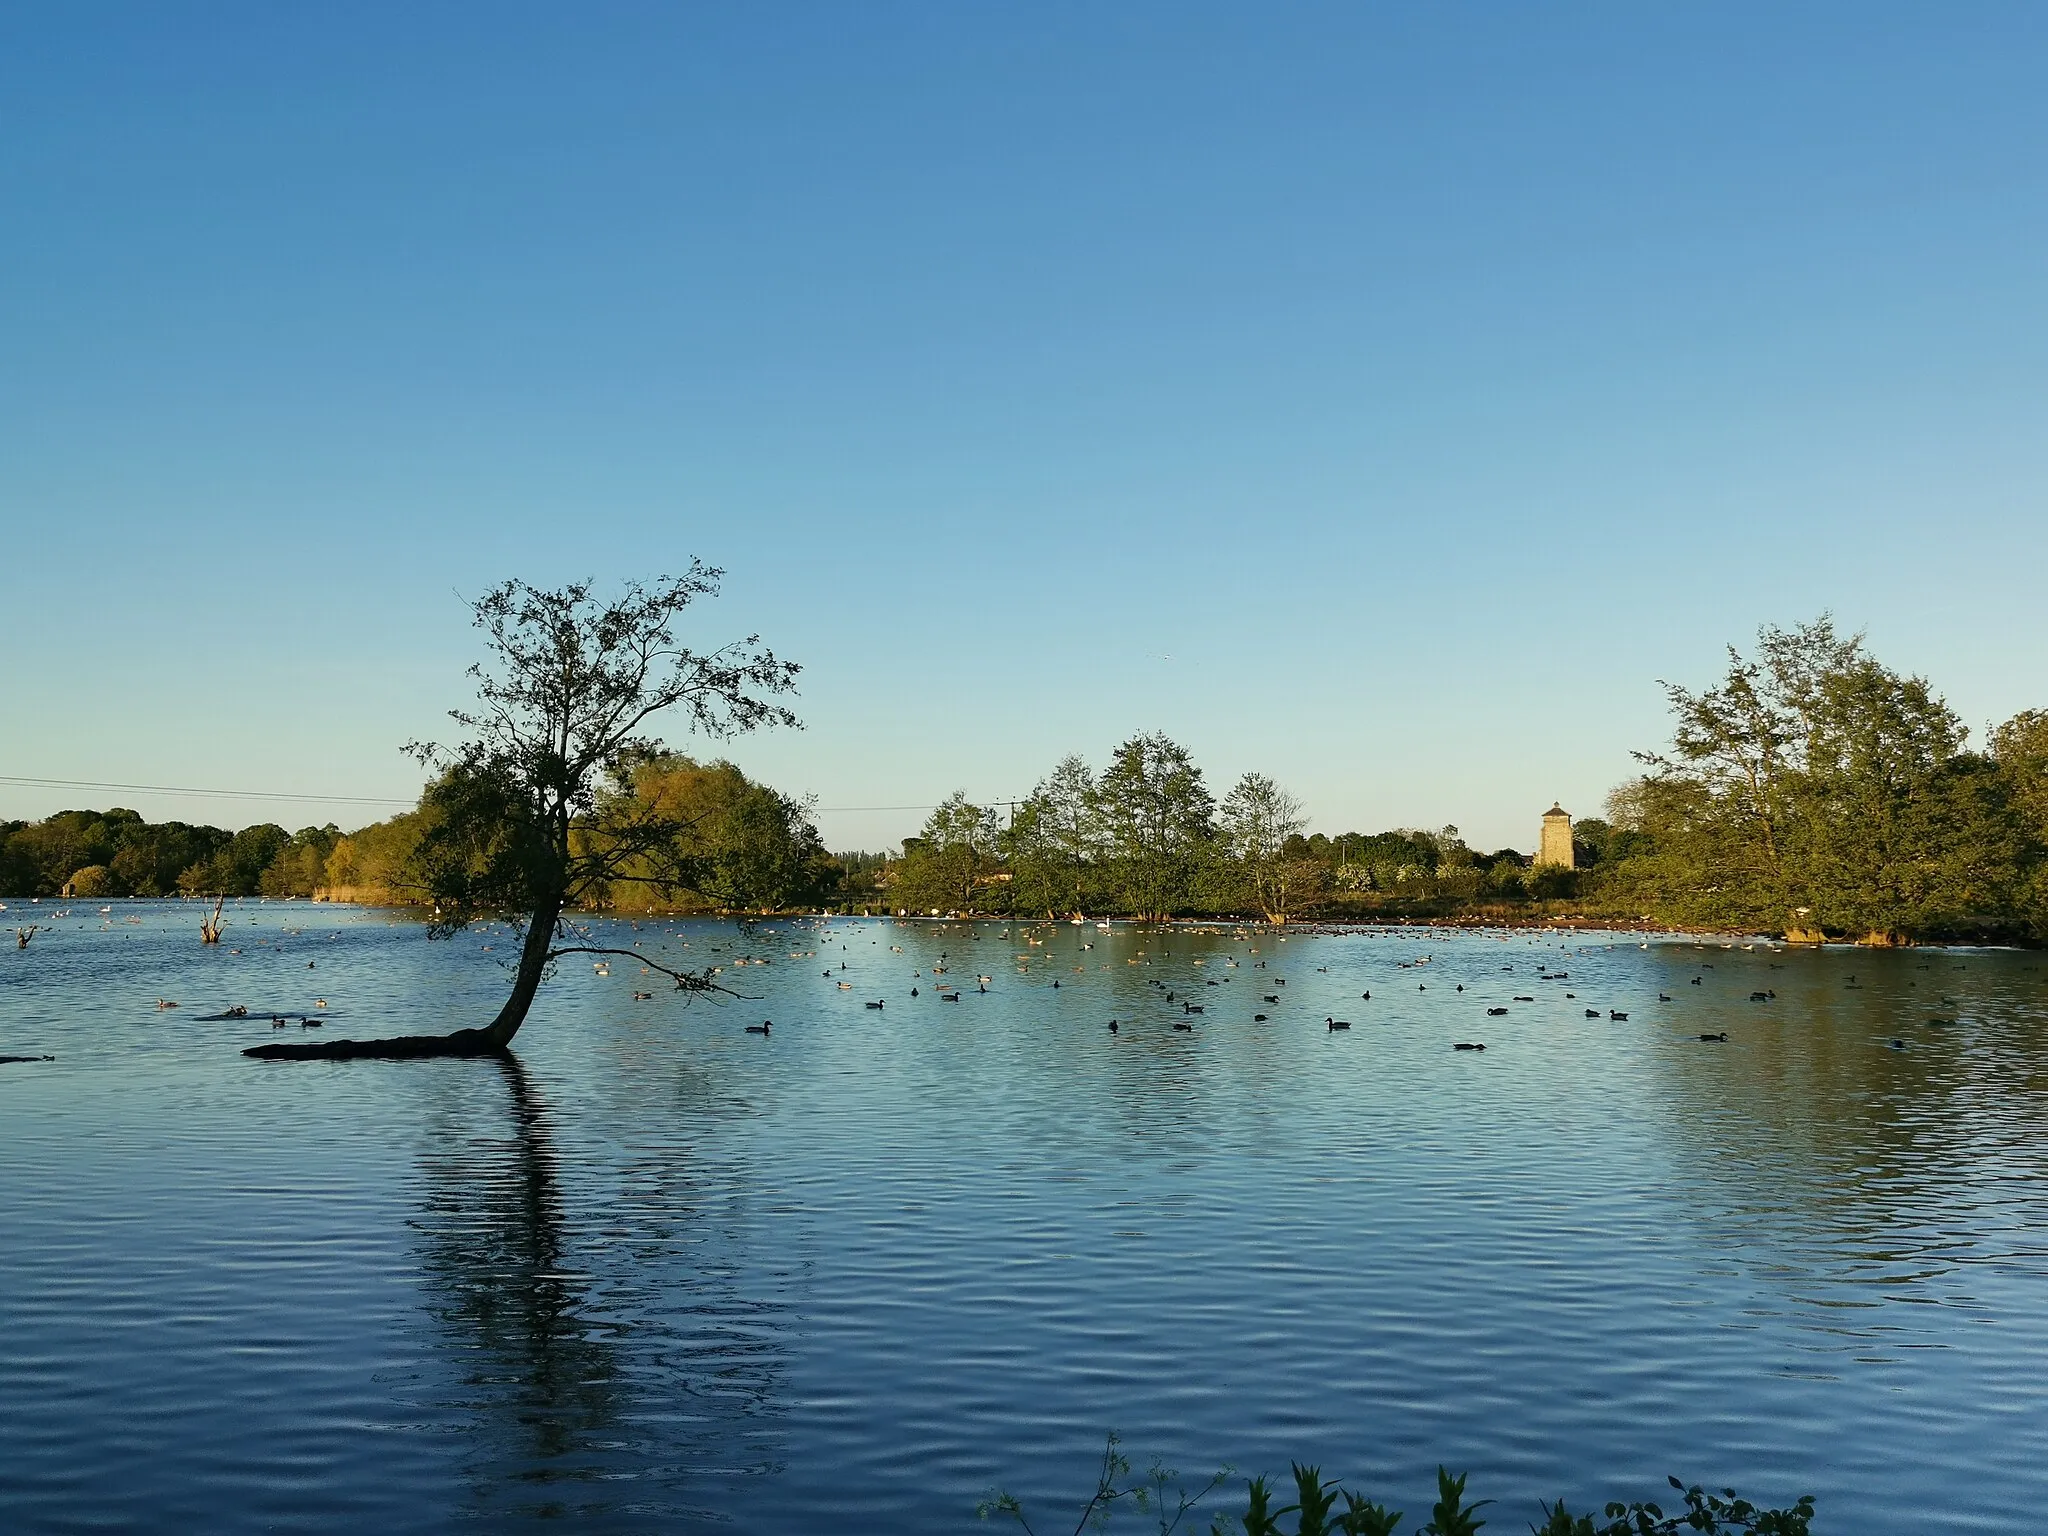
[[1556, 847]]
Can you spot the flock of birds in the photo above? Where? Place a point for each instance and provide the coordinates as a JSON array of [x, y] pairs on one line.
[[1034, 963]]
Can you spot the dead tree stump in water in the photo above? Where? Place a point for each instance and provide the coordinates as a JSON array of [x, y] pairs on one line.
[[210, 927]]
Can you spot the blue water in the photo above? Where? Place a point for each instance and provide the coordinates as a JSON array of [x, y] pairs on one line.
[[663, 1274]]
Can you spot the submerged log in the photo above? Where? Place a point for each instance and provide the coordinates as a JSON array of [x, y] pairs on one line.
[[464, 1042]]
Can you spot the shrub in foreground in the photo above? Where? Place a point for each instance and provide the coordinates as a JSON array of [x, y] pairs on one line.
[[1329, 1509]]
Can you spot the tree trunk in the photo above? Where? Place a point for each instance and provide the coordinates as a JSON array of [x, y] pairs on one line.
[[533, 965], [492, 1040]]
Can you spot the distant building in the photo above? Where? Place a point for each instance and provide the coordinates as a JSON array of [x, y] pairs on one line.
[[1556, 847]]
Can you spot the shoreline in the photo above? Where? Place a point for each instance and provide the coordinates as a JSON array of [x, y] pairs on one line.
[[1488, 918]]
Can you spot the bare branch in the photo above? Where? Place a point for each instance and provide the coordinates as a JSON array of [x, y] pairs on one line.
[[686, 981]]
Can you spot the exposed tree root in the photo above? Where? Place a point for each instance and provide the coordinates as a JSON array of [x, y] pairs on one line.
[[464, 1042]]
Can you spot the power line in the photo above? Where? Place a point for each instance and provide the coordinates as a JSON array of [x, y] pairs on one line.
[[178, 789], [835, 809], [267, 794]]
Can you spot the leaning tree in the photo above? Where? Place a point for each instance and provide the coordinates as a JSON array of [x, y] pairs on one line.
[[530, 816]]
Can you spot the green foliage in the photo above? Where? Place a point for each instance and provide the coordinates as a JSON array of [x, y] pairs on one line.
[[139, 858], [951, 861], [1813, 786], [1259, 824], [1452, 1516], [91, 882], [1053, 845], [735, 845], [852, 877], [1316, 1508], [236, 868], [300, 866], [1708, 1512], [372, 862], [1157, 821]]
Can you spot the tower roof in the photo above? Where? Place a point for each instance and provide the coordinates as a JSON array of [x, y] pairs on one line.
[[1556, 810]]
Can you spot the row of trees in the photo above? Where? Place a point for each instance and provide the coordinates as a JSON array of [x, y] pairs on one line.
[[116, 853], [1149, 839], [1146, 837], [1812, 790], [733, 845], [1815, 789]]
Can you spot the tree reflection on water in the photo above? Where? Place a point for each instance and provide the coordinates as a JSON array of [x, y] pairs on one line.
[[1902, 1128], [596, 1379]]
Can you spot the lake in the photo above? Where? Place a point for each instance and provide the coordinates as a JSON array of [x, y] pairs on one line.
[[664, 1274]]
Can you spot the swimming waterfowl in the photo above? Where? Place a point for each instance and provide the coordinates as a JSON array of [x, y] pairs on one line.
[[760, 1028], [1721, 1036], [1622, 1017], [1112, 1026], [1494, 1013], [1177, 1024], [1468, 1045], [1337, 1023], [871, 1005]]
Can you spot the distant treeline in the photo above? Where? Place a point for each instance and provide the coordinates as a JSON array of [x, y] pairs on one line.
[[117, 853], [1813, 792], [744, 847], [1147, 838]]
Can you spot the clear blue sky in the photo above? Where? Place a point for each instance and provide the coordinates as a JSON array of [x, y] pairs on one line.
[[1383, 397]]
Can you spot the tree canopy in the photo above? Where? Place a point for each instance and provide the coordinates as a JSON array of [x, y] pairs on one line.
[[532, 812], [1815, 789]]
